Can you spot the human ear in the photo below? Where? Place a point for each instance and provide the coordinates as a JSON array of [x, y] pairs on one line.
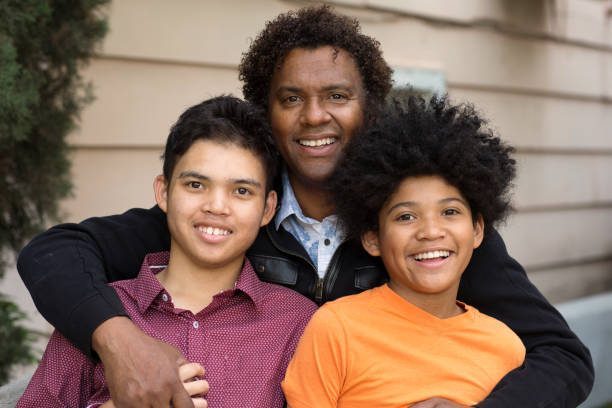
[[478, 231], [269, 208], [369, 240], [160, 186]]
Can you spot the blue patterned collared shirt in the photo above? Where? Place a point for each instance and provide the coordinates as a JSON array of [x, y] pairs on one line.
[[320, 239]]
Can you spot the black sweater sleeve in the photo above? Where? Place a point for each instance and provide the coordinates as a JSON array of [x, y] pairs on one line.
[[66, 268], [558, 371]]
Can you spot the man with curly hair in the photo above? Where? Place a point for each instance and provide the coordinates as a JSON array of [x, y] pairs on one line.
[[417, 189], [320, 80]]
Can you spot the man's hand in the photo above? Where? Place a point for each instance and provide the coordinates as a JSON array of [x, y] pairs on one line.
[[437, 403], [191, 375], [141, 372]]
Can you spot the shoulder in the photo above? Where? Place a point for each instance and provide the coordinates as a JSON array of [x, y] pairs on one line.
[[351, 308], [504, 337], [123, 287], [337, 320], [126, 290], [145, 283], [489, 322], [371, 298], [275, 297], [61, 356]]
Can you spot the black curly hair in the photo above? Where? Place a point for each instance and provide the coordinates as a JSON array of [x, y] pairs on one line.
[[309, 28], [225, 119], [415, 137]]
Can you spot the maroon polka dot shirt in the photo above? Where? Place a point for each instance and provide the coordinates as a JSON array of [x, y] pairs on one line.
[[244, 339]]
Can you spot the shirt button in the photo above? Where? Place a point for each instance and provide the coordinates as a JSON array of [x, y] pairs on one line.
[[165, 297], [195, 325], [327, 241]]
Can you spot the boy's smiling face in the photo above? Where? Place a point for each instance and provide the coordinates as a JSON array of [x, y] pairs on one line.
[[426, 238], [215, 204]]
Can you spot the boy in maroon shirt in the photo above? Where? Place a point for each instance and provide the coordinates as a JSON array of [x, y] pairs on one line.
[[203, 297]]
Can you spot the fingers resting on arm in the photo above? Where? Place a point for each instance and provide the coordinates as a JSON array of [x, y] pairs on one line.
[[140, 371], [192, 375]]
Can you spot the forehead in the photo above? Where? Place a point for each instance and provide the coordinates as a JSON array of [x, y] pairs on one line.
[[221, 161], [423, 189], [318, 67]]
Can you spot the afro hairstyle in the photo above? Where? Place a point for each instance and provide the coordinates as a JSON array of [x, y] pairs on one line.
[[415, 137], [309, 28]]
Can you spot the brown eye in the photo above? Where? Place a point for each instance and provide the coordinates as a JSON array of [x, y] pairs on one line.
[[338, 97], [406, 217], [291, 99]]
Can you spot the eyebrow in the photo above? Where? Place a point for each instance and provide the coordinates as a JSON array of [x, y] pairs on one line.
[[288, 89], [199, 176], [330, 87], [414, 203], [337, 86], [193, 174]]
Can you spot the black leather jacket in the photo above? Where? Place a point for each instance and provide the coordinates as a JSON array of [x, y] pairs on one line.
[[279, 258], [67, 267]]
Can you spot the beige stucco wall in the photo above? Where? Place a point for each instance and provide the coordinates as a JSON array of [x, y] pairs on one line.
[[540, 70]]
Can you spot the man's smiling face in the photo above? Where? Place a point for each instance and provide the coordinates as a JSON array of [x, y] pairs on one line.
[[316, 104]]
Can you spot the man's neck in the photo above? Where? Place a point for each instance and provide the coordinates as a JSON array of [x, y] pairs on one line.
[[191, 286], [314, 199]]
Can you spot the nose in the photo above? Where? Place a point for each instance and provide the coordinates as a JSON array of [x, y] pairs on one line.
[[314, 112], [216, 202], [430, 229]]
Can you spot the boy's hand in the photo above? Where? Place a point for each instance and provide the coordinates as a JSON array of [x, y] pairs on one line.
[[191, 374], [141, 372], [437, 403]]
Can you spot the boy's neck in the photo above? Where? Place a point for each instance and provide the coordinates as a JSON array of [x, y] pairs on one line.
[[191, 286], [442, 305], [314, 199]]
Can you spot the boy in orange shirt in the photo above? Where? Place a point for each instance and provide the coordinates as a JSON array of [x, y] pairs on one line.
[[418, 189]]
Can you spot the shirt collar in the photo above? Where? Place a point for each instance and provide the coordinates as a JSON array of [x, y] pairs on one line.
[[147, 288], [289, 204], [249, 283]]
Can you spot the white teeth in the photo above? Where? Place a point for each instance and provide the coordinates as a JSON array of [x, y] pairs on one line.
[[432, 255], [213, 231], [318, 142]]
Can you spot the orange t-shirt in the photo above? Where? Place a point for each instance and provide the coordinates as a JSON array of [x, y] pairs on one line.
[[376, 349]]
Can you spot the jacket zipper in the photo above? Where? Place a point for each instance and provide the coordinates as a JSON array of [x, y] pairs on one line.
[[332, 269], [329, 277], [319, 291]]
